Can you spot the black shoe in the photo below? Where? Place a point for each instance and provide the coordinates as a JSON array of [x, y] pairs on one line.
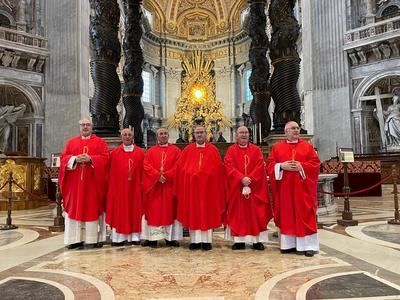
[[145, 243], [299, 252], [93, 246], [238, 246], [172, 243], [258, 246], [194, 246], [153, 244], [75, 246], [120, 244], [290, 250], [309, 253], [135, 243], [206, 246]]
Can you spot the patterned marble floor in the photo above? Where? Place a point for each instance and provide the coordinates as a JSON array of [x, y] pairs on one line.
[[361, 262]]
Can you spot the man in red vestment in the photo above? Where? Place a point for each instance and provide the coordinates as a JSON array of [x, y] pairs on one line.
[[159, 203], [83, 179], [199, 188], [249, 210], [293, 167], [124, 195]]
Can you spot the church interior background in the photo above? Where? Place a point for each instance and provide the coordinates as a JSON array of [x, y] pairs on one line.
[[349, 86]]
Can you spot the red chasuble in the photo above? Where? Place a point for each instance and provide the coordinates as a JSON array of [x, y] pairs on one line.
[[247, 215], [295, 198], [159, 205], [199, 187], [124, 195], [84, 188]]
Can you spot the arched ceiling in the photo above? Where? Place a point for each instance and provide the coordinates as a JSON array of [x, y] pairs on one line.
[[195, 20]]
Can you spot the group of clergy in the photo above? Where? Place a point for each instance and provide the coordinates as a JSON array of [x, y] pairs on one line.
[[150, 196]]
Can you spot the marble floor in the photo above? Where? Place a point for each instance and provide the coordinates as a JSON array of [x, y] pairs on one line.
[[360, 262]]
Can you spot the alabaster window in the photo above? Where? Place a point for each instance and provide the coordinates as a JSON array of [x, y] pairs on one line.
[[246, 91], [147, 86], [148, 16], [243, 15]]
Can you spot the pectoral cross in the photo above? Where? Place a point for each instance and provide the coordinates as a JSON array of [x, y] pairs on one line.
[[85, 151], [293, 155], [200, 160], [246, 164], [163, 159], [130, 166]]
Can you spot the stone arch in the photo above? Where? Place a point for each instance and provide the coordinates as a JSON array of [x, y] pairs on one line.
[[235, 12], [193, 12], [9, 17], [221, 10], [154, 7], [386, 5], [367, 82], [27, 134], [29, 92]]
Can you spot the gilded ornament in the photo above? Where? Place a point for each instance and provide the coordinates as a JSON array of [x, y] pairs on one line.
[[19, 174], [36, 178], [197, 103]]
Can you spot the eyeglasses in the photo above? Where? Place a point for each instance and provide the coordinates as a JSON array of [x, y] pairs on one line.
[[85, 124], [199, 132]]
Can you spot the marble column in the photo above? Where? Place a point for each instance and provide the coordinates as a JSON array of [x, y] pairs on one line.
[[326, 75], [370, 17], [21, 20], [172, 93]]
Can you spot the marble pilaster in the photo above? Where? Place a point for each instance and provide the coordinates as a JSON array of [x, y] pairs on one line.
[[67, 88], [326, 75]]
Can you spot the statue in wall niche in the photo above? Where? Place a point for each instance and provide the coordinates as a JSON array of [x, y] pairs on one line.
[[8, 116], [392, 121], [221, 138]]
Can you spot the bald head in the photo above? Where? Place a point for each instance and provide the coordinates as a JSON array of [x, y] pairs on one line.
[[292, 131], [242, 135], [127, 136], [85, 126]]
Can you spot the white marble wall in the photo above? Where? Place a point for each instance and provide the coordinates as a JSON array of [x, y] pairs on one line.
[[172, 92], [67, 71]]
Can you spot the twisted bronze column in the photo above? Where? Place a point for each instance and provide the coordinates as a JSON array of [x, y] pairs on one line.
[[105, 56], [286, 62], [258, 80], [133, 89]]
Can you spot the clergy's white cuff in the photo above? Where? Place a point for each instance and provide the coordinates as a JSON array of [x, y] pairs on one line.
[[71, 163], [278, 172], [302, 174]]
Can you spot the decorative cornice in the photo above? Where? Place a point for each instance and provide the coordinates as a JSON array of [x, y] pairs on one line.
[[20, 60], [206, 45]]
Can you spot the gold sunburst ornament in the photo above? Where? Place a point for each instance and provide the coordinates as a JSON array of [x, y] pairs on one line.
[[197, 103]]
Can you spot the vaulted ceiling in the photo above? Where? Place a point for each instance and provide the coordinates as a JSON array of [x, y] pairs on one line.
[[195, 20]]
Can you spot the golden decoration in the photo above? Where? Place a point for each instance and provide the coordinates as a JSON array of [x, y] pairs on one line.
[[19, 174], [197, 103], [36, 178]]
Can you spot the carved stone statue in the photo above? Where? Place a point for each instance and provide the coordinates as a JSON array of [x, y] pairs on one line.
[[8, 116], [392, 121]]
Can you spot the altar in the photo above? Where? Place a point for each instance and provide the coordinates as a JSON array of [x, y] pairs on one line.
[[27, 172]]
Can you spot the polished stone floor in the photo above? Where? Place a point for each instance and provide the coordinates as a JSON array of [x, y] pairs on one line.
[[361, 262]]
